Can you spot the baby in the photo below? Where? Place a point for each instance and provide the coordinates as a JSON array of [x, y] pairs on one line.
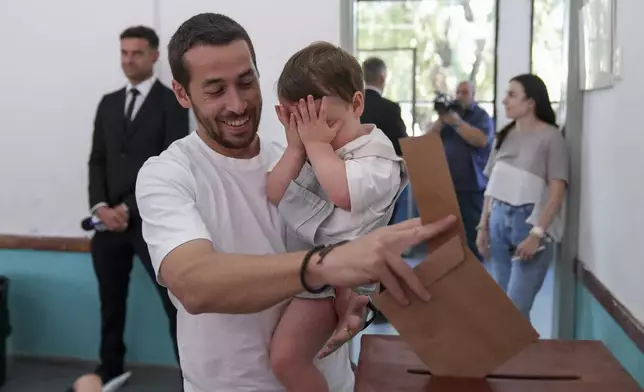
[[337, 179]]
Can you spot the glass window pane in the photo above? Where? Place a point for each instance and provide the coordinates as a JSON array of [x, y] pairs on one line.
[[454, 41], [399, 63], [548, 45]]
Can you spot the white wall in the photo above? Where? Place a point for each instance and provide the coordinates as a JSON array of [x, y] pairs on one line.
[[60, 57], [612, 189]]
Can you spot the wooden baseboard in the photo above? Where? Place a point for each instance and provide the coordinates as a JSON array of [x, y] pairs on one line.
[[81, 362], [633, 328], [56, 244]]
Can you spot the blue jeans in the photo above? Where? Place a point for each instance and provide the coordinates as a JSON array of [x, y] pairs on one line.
[[521, 280]]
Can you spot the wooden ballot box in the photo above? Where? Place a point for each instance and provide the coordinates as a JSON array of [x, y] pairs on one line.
[[387, 364]]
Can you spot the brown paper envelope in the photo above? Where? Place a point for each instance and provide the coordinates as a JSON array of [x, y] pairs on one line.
[[431, 183], [469, 327]]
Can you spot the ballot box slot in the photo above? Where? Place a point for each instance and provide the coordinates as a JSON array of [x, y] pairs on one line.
[[550, 377]]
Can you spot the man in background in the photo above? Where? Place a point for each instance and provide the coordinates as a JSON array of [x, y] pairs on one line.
[[467, 138], [378, 110], [386, 115], [132, 124]]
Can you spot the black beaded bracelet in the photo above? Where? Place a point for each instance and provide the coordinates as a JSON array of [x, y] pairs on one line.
[[305, 264], [323, 250], [374, 314]]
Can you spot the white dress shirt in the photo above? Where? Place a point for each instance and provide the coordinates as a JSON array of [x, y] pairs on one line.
[[144, 89], [376, 89]]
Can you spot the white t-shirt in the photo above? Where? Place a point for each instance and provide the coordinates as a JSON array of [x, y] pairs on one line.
[[191, 192]]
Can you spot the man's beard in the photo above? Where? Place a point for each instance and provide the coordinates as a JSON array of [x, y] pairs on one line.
[[214, 131]]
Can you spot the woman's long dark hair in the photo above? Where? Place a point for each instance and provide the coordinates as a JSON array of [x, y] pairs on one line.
[[536, 90]]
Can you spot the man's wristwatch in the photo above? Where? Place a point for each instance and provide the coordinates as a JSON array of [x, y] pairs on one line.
[[538, 232]]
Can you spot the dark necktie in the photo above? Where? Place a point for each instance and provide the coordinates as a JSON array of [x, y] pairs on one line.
[[130, 107]]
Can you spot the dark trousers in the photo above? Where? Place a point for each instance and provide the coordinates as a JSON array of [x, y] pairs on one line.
[[112, 255], [471, 206]]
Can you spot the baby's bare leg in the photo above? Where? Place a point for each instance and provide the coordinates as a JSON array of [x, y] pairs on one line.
[[305, 327]]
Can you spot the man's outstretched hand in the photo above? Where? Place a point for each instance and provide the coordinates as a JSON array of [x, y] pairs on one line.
[[351, 309], [376, 258]]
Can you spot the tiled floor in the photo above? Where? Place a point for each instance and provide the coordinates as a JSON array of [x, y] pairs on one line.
[[542, 310]]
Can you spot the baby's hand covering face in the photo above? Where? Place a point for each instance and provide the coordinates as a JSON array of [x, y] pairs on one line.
[[288, 121], [311, 121]]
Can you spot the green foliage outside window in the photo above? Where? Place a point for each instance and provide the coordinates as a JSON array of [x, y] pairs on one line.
[[548, 47], [451, 40]]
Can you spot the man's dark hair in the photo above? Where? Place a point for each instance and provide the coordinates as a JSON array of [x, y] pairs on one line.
[[320, 69], [142, 32], [206, 29], [534, 88], [373, 67]]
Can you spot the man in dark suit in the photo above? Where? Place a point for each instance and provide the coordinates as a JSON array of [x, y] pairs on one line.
[[132, 124], [378, 110]]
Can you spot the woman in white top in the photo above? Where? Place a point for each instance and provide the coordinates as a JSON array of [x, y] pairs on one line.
[[528, 172]]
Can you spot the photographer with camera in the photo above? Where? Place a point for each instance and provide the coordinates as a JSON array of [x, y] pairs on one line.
[[467, 134]]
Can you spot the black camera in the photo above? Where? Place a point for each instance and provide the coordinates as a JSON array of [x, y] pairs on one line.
[[444, 104]]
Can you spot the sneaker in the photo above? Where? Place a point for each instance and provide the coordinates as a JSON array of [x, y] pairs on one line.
[[115, 383]]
